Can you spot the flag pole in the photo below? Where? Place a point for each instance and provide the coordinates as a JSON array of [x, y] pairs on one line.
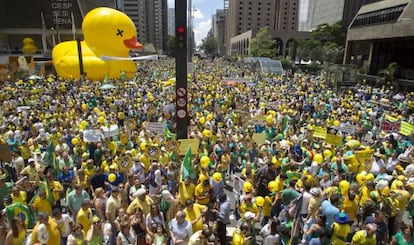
[[44, 45], [73, 26]]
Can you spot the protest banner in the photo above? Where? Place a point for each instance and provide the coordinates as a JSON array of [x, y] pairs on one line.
[[155, 127], [238, 185], [363, 155], [388, 126], [259, 138], [113, 130], [319, 132], [406, 128], [333, 139], [92, 135], [185, 143]]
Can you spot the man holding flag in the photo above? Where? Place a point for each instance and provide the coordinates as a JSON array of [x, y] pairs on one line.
[[186, 188]]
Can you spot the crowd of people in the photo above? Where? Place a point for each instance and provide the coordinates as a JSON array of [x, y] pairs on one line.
[[318, 165]]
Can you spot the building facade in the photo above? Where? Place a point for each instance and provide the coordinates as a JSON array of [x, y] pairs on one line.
[[351, 8], [245, 15], [151, 20], [382, 33], [322, 12], [218, 30], [171, 22]]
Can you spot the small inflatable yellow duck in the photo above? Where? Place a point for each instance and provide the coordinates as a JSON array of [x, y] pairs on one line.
[[107, 32]]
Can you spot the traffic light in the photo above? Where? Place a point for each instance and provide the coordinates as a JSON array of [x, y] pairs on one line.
[[181, 36]]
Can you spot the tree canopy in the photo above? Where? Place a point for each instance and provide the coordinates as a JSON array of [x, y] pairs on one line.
[[209, 45], [262, 45]]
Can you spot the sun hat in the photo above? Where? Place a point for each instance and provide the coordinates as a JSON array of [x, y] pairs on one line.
[[316, 191], [342, 218]]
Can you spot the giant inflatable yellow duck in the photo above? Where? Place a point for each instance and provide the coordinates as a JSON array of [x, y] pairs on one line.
[[107, 32]]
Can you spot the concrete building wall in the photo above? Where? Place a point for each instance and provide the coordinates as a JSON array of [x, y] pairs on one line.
[[171, 22], [323, 12], [245, 15]]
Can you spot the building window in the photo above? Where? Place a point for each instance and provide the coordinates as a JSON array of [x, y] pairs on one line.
[[250, 3], [250, 8], [258, 13]]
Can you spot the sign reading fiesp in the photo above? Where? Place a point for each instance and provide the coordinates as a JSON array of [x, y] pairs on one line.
[[61, 12]]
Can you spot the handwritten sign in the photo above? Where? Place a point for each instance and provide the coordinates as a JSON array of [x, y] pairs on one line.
[[154, 127], [406, 128], [390, 126], [319, 132], [92, 135], [333, 139], [259, 138], [363, 155], [113, 130], [185, 143], [238, 185]]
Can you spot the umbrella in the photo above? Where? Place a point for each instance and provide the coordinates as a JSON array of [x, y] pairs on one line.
[[107, 87]]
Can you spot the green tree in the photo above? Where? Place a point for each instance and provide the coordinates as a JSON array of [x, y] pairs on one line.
[[262, 44], [387, 75], [171, 45], [209, 45]]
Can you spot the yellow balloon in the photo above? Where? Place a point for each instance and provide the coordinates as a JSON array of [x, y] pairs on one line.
[[259, 201], [75, 141], [269, 119], [361, 178], [210, 117], [143, 146], [344, 185], [202, 120], [318, 158], [247, 187], [370, 177], [207, 133], [336, 123], [327, 153], [111, 177], [217, 177], [99, 28], [205, 160], [84, 107]]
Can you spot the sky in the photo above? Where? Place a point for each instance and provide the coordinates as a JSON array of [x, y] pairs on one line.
[[203, 11]]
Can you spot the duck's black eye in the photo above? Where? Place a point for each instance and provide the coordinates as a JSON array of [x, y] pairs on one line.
[[119, 32]]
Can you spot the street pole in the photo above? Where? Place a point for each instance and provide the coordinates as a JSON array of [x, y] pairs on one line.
[[78, 42], [181, 97]]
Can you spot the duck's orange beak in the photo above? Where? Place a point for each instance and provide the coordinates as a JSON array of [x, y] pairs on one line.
[[132, 43]]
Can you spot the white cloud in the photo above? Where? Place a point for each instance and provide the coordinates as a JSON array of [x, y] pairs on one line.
[[200, 31], [197, 14]]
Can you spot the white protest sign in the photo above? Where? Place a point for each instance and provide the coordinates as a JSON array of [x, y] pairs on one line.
[[154, 127], [113, 130], [92, 135]]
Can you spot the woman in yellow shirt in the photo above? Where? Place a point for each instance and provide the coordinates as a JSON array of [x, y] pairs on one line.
[[340, 229], [17, 234], [194, 214]]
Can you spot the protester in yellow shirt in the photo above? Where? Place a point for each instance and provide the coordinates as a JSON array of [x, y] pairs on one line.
[[186, 191], [202, 192], [241, 235], [350, 206], [52, 229], [340, 229], [18, 196], [142, 201], [84, 216], [42, 204], [248, 205], [366, 236], [194, 214]]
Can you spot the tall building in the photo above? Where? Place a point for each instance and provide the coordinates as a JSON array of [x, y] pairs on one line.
[[171, 22], [218, 30], [323, 12], [245, 15], [150, 18], [351, 8]]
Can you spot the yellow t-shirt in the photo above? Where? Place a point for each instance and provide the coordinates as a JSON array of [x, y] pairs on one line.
[[88, 171], [194, 214], [200, 190], [267, 206], [56, 186], [280, 184], [360, 238], [244, 208], [144, 205], [350, 208], [84, 218], [53, 230], [42, 205], [20, 198], [21, 237], [238, 238], [339, 233], [186, 192]]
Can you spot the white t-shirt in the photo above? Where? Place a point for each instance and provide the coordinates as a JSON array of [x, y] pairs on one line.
[[64, 225], [271, 240]]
